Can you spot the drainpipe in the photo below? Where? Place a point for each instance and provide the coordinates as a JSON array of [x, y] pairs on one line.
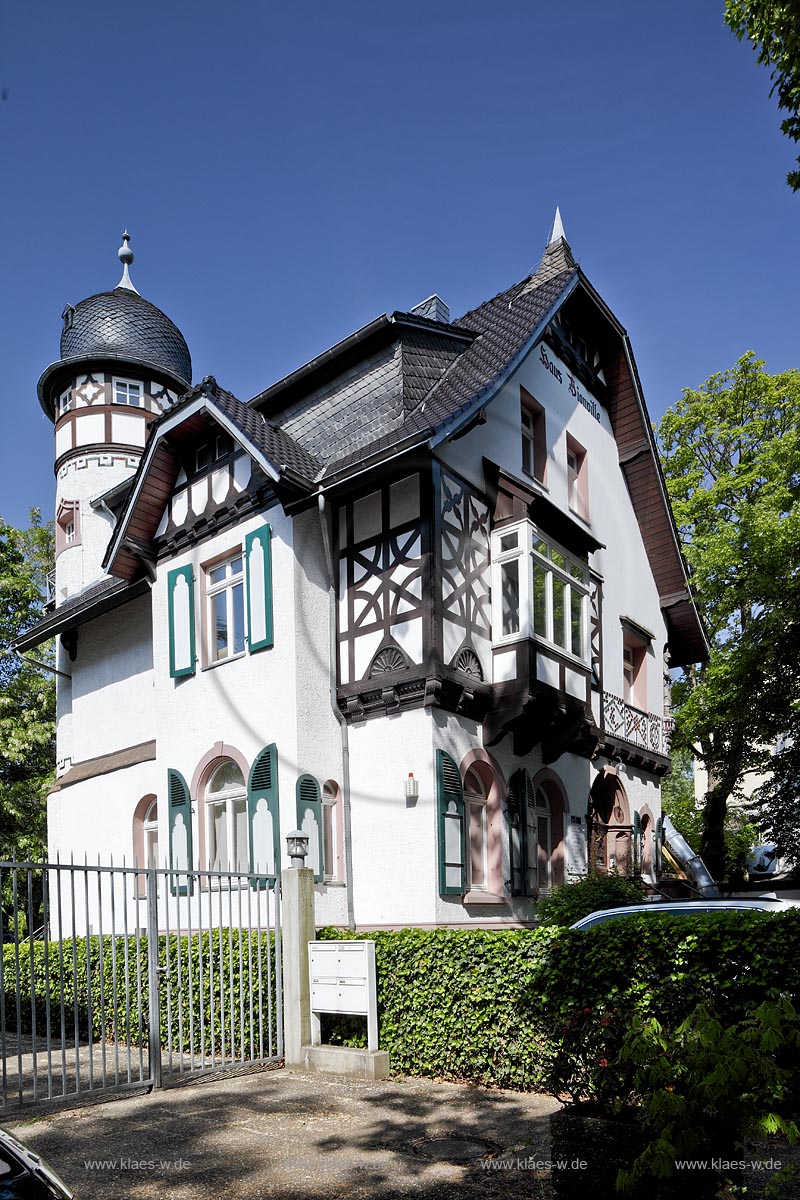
[[348, 839]]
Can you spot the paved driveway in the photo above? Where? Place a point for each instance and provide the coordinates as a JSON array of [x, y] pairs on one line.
[[289, 1135]]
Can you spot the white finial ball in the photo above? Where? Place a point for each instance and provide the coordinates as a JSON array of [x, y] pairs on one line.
[[125, 254]]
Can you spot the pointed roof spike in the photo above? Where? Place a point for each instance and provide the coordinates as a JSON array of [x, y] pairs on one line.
[[125, 256], [557, 230]]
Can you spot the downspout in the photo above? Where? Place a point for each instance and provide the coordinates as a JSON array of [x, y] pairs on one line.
[[348, 839]]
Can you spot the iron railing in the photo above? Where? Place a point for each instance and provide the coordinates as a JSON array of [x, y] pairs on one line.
[[647, 730], [136, 977]]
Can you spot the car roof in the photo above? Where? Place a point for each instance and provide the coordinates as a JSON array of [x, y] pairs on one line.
[[687, 908]]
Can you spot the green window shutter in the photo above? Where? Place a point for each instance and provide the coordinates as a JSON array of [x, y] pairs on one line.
[[517, 831], [531, 886], [180, 597], [309, 819], [521, 793], [258, 560], [636, 838], [263, 818], [180, 835], [451, 826]]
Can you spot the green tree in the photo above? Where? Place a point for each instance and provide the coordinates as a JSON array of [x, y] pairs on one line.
[[774, 29], [731, 458], [27, 693]]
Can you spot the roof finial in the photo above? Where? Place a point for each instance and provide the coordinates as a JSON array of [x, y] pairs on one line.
[[558, 228], [125, 256]]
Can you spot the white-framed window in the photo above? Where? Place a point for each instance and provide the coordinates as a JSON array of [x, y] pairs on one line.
[[225, 813], [538, 842], [211, 452], [534, 442], [235, 605], [225, 608], [331, 832], [150, 832], [68, 525], [539, 590], [65, 402], [577, 479], [634, 671], [475, 801], [127, 391]]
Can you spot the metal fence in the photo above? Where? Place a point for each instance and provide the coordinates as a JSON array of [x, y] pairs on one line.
[[116, 977]]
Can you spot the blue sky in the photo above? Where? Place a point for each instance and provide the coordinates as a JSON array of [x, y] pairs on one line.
[[289, 171]]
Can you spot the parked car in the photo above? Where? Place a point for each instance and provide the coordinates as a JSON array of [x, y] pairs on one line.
[[25, 1175], [687, 908]]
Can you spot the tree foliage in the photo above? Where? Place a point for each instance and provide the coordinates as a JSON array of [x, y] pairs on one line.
[[773, 26], [731, 457], [27, 693]]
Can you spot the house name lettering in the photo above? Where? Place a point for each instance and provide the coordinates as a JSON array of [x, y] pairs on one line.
[[588, 402]]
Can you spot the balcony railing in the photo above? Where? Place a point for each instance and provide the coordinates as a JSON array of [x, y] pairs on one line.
[[647, 730], [49, 587]]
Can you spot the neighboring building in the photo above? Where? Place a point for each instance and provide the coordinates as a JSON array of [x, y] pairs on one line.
[[441, 549]]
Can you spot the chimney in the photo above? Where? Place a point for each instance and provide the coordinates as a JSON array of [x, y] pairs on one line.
[[433, 309]]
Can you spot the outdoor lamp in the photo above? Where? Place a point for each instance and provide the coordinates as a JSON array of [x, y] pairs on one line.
[[297, 845], [411, 787]]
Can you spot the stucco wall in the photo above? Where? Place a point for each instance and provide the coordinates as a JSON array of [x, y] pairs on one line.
[[112, 682], [628, 586]]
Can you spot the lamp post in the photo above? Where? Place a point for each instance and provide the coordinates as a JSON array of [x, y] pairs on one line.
[[297, 846]]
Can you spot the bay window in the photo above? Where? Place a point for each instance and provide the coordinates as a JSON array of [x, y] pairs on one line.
[[540, 590]]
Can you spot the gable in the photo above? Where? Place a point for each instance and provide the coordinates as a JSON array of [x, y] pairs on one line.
[[205, 461]]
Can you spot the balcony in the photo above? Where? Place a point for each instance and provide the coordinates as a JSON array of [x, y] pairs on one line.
[[646, 730]]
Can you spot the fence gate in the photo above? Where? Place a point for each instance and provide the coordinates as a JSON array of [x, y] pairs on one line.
[[117, 977]]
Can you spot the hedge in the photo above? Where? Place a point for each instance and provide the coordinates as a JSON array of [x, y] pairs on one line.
[[488, 1006], [217, 1004], [472, 1005]]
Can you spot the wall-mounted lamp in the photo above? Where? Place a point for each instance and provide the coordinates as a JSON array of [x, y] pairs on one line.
[[297, 846], [411, 787]]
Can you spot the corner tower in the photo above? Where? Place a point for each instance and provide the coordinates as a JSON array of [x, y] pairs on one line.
[[122, 363]]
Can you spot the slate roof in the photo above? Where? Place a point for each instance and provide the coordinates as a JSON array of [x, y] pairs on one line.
[[124, 323], [439, 383], [362, 389], [277, 445], [93, 601]]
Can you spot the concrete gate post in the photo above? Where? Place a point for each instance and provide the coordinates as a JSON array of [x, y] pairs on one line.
[[297, 929]]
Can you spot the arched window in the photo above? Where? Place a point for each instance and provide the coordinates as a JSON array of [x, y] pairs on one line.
[[540, 849], [332, 833], [150, 830], [475, 800], [225, 813], [145, 840]]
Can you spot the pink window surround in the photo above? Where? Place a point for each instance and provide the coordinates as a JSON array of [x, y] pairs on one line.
[[577, 478], [203, 772], [494, 788], [331, 788], [139, 855], [553, 788], [634, 671], [537, 436], [69, 513]]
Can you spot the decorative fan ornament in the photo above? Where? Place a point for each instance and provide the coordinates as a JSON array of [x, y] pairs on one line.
[[388, 659], [468, 663]]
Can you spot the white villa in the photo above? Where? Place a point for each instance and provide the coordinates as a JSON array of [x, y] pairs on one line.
[[417, 598]]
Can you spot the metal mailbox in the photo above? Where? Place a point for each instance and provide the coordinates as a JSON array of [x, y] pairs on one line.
[[342, 978]]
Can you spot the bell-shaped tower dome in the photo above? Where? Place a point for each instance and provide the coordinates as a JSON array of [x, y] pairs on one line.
[[123, 361]]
